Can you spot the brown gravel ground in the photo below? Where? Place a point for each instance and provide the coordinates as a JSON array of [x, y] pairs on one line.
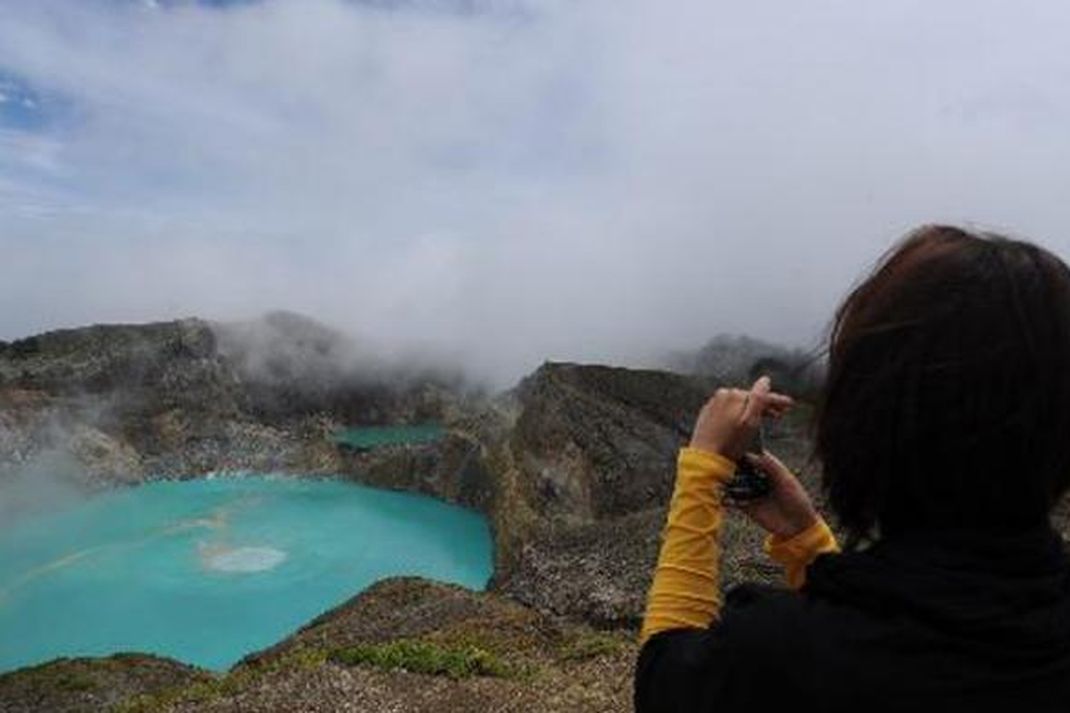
[[556, 666], [603, 684]]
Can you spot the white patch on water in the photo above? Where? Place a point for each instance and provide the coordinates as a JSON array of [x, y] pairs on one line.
[[240, 560]]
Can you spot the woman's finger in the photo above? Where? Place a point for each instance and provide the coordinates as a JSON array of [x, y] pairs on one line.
[[771, 466], [756, 401], [766, 396], [779, 407], [760, 401], [779, 399]]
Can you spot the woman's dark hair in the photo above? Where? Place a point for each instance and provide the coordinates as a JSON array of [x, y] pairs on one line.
[[946, 403]]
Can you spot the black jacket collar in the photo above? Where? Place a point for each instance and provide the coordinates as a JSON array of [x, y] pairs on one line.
[[1004, 591]]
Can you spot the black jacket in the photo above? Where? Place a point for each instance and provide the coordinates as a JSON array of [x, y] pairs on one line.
[[943, 623]]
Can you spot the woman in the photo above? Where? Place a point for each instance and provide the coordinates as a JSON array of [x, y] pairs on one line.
[[944, 436]]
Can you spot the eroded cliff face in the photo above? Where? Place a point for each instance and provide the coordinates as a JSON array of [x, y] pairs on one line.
[[597, 442], [595, 449], [573, 467], [178, 399]]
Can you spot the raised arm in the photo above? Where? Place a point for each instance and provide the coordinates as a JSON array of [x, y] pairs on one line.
[[797, 533], [685, 592]]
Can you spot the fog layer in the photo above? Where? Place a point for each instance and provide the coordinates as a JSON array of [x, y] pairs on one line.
[[508, 182]]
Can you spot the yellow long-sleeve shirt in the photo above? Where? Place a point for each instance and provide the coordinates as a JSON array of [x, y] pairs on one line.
[[686, 591]]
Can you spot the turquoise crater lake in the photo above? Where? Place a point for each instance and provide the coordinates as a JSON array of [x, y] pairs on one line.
[[206, 571]]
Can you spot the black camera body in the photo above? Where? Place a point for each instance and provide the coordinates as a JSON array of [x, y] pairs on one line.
[[748, 483]]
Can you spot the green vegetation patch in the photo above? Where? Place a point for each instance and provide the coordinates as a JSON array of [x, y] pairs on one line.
[[591, 646], [215, 688], [367, 437], [72, 681], [425, 657]]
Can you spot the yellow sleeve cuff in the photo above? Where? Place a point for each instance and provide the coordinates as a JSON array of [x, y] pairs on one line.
[[797, 552], [705, 466]]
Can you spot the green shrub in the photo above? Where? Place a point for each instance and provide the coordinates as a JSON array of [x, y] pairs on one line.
[[213, 688], [75, 682], [591, 646], [424, 657]]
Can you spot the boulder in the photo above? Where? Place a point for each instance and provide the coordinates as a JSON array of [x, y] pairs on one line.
[[599, 442]]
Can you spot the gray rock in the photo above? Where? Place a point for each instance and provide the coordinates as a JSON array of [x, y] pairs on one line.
[[597, 441], [571, 467]]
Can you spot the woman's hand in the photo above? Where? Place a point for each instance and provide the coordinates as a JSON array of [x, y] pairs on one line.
[[729, 420], [787, 510], [726, 425]]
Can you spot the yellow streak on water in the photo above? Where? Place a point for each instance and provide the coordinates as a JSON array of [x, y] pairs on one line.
[[216, 521], [36, 572]]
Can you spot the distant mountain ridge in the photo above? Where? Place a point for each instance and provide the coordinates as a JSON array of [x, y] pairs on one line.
[[738, 359]]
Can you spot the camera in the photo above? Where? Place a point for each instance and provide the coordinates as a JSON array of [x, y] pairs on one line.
[[749, 483]]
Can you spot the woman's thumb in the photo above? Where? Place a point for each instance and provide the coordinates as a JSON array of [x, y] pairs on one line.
[[770, 465]]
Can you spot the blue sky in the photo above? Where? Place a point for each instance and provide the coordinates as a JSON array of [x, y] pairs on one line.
[[21, 106], [511, 181]]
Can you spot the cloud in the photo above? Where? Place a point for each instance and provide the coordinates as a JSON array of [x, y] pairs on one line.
[[512, 181]]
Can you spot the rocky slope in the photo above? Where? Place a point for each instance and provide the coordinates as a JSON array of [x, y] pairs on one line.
[[402, 645], [186, 397], [595, 449], [573, 467], [92, 684]]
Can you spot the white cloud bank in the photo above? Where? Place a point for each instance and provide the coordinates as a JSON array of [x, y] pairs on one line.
[[593, 179]]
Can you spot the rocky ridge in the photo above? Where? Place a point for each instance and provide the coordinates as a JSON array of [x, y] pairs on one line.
[[573, 467], [521, 661]]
